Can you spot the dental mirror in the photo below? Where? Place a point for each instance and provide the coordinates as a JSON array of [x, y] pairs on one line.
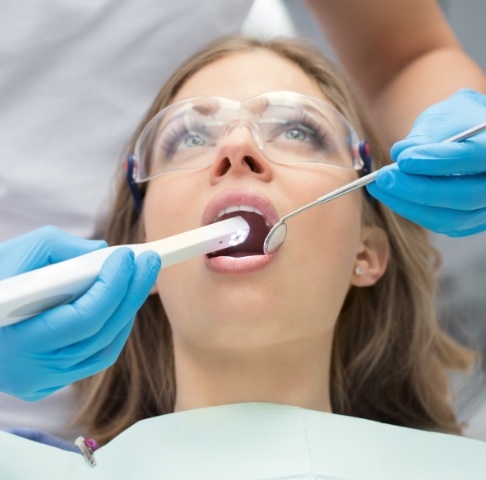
[[277, 234]]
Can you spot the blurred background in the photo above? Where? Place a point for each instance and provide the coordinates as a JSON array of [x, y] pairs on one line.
[[462, 294]]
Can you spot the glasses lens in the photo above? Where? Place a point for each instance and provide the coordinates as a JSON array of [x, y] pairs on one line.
[[306, 133], [180, 137], [289, 128]]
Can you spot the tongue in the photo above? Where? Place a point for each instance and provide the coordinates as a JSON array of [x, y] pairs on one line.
[[253, 245]]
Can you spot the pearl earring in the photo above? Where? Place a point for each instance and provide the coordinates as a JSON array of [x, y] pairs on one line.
[[358, 271]]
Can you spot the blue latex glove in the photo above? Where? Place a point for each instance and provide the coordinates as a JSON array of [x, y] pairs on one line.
[[420, 186], [68, 343]]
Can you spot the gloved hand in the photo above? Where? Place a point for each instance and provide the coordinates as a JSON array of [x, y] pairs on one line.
[[70, 342], [422, 187]]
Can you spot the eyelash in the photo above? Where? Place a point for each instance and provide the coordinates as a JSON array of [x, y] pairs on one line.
[[177, 131], [313, 128]]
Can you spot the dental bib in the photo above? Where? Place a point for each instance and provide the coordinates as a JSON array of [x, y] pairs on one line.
[[254, 441]]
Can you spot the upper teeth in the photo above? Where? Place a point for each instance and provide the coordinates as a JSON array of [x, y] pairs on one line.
[[241, 208]]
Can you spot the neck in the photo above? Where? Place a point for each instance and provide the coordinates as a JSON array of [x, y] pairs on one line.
[[293, 375]]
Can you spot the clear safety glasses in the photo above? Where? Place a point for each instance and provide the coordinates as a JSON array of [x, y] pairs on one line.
[[287, 127]]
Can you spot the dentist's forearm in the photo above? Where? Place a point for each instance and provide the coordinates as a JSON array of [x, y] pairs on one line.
[[402, 56]]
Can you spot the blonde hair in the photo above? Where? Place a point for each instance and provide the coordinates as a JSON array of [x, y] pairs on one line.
[[389, 357]]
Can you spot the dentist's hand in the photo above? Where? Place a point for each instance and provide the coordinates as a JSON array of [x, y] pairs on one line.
[[68, 343], [421, 185]]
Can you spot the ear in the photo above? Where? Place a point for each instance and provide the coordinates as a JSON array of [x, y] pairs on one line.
[[371, 258]]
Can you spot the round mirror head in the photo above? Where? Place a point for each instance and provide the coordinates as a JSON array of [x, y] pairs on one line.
[[275, 238]]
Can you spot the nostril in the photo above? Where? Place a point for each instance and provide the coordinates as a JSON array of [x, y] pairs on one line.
[[254, 167], [223, 167], [226, 164]]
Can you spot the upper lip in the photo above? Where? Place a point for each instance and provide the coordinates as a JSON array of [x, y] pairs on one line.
[[246, 196]]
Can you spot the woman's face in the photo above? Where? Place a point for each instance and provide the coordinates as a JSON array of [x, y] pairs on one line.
[[255, 301]]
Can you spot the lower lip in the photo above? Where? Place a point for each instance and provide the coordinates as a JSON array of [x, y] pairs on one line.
[[238, 265]]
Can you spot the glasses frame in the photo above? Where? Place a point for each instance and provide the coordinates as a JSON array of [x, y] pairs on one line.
[[285, 98]]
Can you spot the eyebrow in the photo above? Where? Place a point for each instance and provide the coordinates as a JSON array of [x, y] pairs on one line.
[[208, 107], [256, 105]]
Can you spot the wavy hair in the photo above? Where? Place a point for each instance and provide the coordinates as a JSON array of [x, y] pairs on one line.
[[389, 359]]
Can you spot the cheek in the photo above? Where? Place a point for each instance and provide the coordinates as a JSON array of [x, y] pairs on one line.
[[166, 211], [330, 236], [170, 208], [334, 225], [326, 247], [326, 238]]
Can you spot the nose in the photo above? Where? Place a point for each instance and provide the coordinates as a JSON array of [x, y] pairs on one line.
[[238, 153]]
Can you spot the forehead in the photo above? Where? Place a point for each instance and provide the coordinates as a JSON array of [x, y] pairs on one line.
[[246, 74]]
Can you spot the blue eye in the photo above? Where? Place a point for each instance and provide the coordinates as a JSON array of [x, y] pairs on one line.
[[177, 139], [296, 134], [193, 141]]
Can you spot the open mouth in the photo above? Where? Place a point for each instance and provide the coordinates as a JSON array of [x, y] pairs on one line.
[[259, 228]]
